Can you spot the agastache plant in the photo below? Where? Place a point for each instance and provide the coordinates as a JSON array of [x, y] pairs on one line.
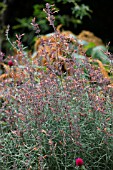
[[48, 118], [35, 26], [50, 11]]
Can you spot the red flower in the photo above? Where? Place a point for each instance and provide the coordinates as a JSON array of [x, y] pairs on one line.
[[10, 63], [79, 162]]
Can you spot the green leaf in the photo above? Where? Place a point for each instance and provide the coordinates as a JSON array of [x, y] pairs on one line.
[[89, 45], [3, 7], [99, 53]]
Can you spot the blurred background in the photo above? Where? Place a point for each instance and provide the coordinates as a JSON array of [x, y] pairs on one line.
[[74, 15]]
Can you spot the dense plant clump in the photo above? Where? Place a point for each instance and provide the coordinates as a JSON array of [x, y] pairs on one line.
[[54, 118]]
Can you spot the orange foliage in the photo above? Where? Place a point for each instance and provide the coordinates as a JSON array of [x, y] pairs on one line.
[[90, 37], [103, 70]]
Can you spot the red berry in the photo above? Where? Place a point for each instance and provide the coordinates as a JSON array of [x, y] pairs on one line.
[[10, 63], [79, 162]]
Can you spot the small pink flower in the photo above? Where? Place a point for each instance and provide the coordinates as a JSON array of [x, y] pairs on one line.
[[79, 162], [10, 63]]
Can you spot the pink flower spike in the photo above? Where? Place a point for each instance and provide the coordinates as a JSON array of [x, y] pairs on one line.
[[79, 162], [10, 63]]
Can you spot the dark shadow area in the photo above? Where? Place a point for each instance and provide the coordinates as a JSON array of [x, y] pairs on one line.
[[100, 23]]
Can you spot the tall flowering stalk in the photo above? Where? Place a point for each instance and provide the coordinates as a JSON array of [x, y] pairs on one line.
[[50, 14]]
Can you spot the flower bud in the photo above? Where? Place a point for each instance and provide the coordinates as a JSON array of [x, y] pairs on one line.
[[10, 63], [79, 162]]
